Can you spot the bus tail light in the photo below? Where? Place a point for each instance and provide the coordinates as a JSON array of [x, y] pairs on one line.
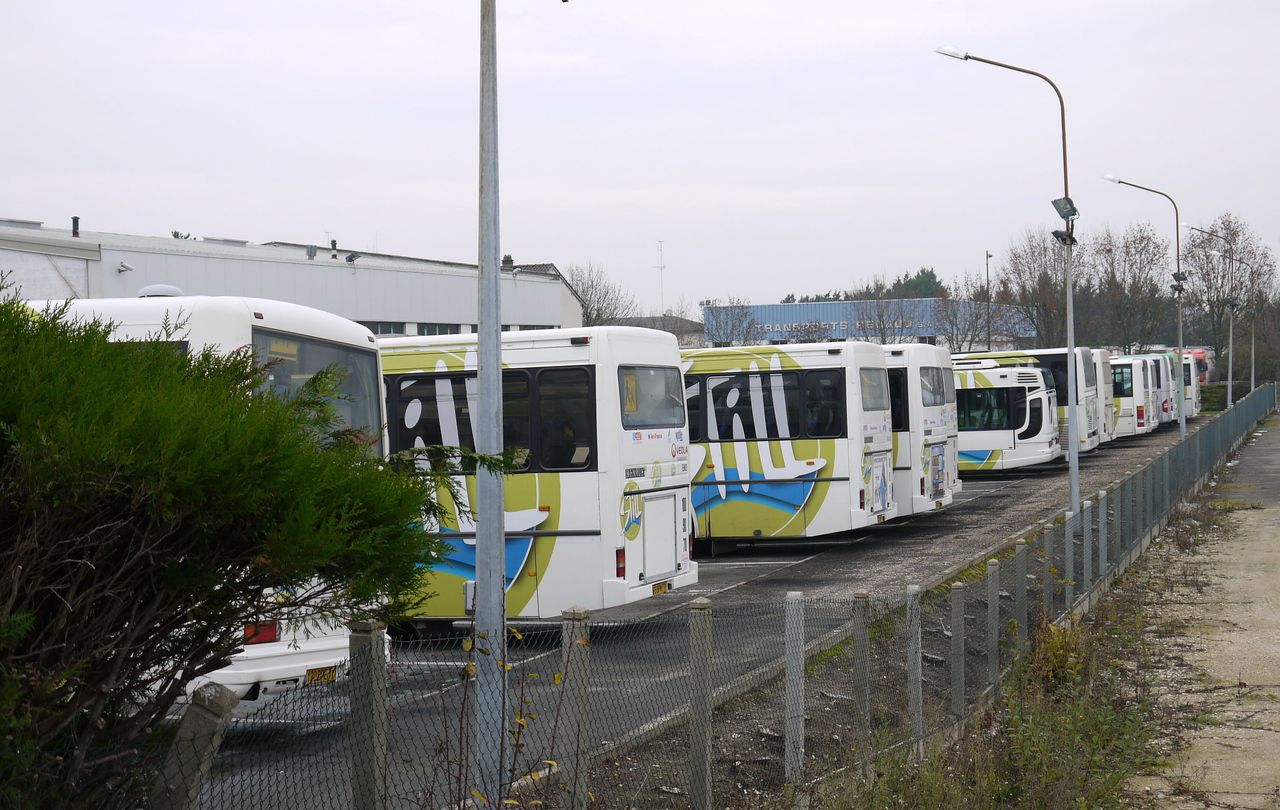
[[1141, 416], [620, 563], [862, 499], [921, 486], [261, 632]]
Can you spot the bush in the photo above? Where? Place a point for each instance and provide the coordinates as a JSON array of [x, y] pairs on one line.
[[151, 505]]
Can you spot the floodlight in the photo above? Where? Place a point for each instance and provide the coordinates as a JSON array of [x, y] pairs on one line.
[[1065, 208]]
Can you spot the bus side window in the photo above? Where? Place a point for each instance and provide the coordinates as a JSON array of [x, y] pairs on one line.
[[824, 402], [1035, 419], [898, 399], [566, 425], [517, 424], [730, 405], [693, 403]]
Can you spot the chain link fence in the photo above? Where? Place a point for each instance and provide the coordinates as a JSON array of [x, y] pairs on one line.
[[700, 707]]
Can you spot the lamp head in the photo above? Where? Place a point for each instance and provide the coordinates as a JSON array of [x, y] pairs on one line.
[[1179, 277], [1065, 208], [1111, 178], [953, 52]]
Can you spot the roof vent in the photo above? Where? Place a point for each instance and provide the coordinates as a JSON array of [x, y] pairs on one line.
[[218, 240], [21, 223], [159, 291]]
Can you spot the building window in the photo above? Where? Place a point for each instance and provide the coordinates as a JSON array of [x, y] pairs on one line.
[[527, 327], [439, 329], [384, 327]]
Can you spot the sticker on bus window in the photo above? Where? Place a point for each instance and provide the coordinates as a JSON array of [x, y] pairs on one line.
[[283, 349], [631, 392]]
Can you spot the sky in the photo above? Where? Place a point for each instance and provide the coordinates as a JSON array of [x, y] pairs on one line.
[[770, 147]]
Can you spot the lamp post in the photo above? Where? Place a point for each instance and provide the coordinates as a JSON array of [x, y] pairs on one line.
[[988, 300], [1067, 210], [1231, 353], [1177, 288]]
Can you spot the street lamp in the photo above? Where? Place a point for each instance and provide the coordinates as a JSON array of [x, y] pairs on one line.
[[988, 300], [1177, 288], [1232, 305], [1067, 210]]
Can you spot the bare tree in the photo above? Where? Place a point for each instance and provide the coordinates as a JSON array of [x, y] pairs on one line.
[[1244, 271], [811, 332], [961, 314], [1130, 274], [1034, 273], [732, 324], [883, 317], [603, 301]]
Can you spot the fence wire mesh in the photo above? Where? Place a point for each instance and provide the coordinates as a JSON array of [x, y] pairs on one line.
[[731, 702]]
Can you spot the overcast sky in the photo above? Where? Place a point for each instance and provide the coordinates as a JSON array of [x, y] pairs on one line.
[[773, 147]]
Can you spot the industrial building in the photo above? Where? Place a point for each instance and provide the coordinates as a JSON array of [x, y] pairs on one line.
[[389, 294]]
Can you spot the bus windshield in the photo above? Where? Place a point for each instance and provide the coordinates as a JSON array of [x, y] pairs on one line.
[[651, 397], [875, 389], [292, 360], [1122, 381]]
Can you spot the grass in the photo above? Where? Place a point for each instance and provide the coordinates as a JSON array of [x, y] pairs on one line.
[[1069, 731]]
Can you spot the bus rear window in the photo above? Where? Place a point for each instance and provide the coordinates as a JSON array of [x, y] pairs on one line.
[[875, 389], [651, 397], [933, 387], [1121, 381]]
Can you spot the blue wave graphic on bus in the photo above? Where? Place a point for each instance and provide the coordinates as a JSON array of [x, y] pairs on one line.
[[461, 559], [783, 496], [975, 456]]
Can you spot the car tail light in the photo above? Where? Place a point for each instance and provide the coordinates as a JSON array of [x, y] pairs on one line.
[[261, 632], [620, 563]]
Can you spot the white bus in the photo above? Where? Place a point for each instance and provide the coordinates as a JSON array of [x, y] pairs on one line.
[[922, 434], [1166, 410], [1107, 405], [597, 513], [1133, 381], [1055, 360], [789, 441], [1191, 402], [1007, 415], [297, 342]]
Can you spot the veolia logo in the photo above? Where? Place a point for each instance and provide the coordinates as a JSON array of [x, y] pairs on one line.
[[630, 512]]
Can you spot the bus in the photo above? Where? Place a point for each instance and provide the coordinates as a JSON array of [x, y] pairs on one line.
[[1163, 384], [789, 441], [597, 511], [922, 433], [1055, 360], [1007, 416], [1107, 405], [1133, 382], [1190, 387], [294, 342]]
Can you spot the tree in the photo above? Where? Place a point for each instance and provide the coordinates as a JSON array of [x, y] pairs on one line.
[[1129, 274], [604, 302], [961, 314], [1244, 271], [811, 332], [732, 324], [885, 318], [152, 505], [179, 234], [1034, 273]]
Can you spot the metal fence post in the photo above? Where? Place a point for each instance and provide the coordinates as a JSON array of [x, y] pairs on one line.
[[575, 664], [1046, 581], [793, 630], [190, 754], [1020, 593], [1104, 558], [915, 702], [368, 645], [862, 660], [1069, 558], [993, 621], [700, 704], [1086, 548], [957, 649]]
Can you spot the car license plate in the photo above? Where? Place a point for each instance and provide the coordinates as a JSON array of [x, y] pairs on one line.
[[322, 675], [661, 587]]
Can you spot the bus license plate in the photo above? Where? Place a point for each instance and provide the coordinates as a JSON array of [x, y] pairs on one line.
[[322, 675], [661, 587]]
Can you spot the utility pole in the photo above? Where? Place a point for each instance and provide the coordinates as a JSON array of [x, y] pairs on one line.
[[661, 267], [489, 705], [988, 300]]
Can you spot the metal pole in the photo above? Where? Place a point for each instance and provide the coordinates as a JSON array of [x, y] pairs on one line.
[[1231, 353], [1253, 358], [988, 300], [490, 589], [1073, 411], [793, 692]]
